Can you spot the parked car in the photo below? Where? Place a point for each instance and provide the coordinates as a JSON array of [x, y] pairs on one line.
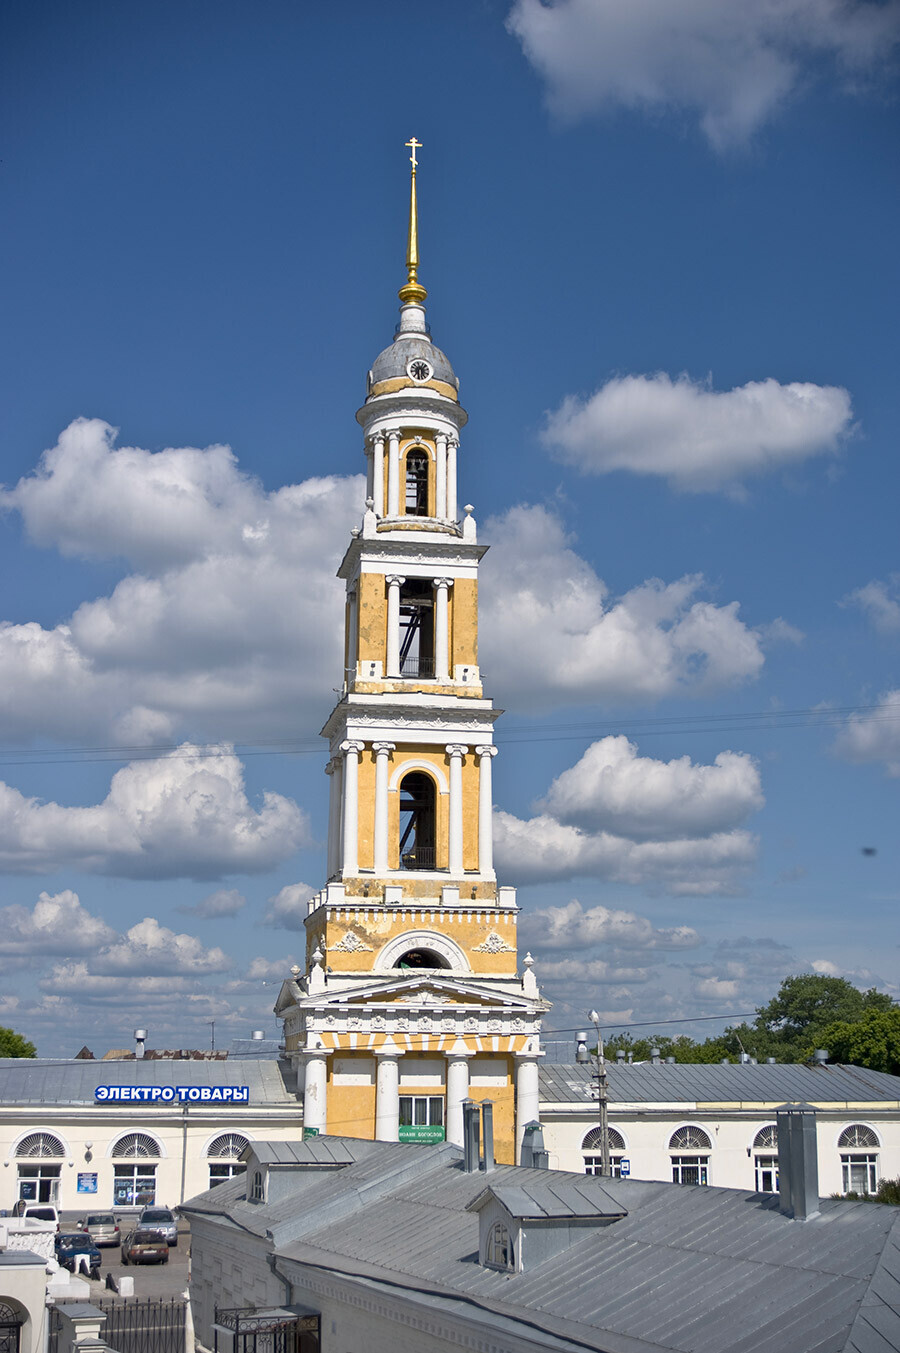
[[144, 1246], [40, 1211], [71, 1245], [160, 1219], [102, 1228]]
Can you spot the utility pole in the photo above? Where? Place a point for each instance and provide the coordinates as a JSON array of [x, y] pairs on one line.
[[582, 1055]]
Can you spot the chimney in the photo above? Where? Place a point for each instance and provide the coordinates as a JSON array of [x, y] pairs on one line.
[[470, 1136], [532, 1141], [798, 1162], [654, 1056], [487, 1134], [140, 1038]]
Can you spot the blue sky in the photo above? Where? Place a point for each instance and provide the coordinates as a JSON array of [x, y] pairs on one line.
[[660, 250]]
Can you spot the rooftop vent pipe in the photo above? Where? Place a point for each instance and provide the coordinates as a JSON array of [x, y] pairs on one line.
[[820, 1056], [140, 1038], [487, 1134], [770, 1061], [257, 1035], [581, 1049], [654, 1056], [470, 1136], [620, 1056], [670, 1061], [798, 1164]]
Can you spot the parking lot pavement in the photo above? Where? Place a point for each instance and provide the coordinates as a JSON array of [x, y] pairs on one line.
[[150, 1280]]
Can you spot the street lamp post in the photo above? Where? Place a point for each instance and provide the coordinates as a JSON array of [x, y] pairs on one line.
[[602, 1099]]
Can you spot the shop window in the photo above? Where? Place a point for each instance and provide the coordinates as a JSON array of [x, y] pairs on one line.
[[417, 483], [134, 1185], [690, 1169], [765, 1161], [39, 1183], [223, 1154], [422, 1118], [593, 1160], [417, 628], [859, 1169], [417, 821]]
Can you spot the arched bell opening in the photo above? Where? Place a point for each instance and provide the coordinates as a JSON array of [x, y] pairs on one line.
[[417, 628], [417, 821], [416, 501], [416, 959]]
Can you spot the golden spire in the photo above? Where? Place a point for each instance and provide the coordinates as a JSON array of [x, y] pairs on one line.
[[413, 291]]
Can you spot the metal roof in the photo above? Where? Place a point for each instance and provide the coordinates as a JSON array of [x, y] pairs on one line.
[[702, 1083], [43, 1080], [688, 1269], [312, 1151], [551, 1195]]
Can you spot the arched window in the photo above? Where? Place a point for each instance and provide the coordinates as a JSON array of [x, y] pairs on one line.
[[223, 1156], [421, 958], [858, 1145], [417, 821], [417, 483], [498, 1251], [134, 1170], [592, 1144], [11, 1322], [417, 628], [40, 1144], [256, 1187], [765, 1164], [690, 1169]]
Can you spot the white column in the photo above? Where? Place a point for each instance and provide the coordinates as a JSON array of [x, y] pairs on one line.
[[456, 753], [352, 633], [440, 482], [452, 510], [457, 1091], [382, 752], [442, 628], [333, 771], [387, 1095], [378, 475], [528, 1100], [350, 815], [394, 472], [392, 668], [485, 810], [370, 469], [315, 1090]]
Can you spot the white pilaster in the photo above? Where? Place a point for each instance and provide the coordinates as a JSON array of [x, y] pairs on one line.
[[442, 628], [387, 1094], [370, 469], [394, 472], [315, 1088], [456, 752], [392, 667], [382, 752], [528, 1101], [333, 771], [457, 1090], [440, 480], [452, 510], [350, 815], [485, 810], [378, 475], [352, 633]]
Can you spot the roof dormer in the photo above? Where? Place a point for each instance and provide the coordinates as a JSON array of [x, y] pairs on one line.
[[521, 1225]]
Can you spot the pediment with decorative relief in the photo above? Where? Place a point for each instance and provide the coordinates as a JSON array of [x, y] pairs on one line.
[[424, 991]]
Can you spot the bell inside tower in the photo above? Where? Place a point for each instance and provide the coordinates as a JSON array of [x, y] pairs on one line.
[[417, 484]]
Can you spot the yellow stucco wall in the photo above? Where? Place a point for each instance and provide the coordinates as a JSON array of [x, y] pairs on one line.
[[464, 623], [372, 617], [374, 927]]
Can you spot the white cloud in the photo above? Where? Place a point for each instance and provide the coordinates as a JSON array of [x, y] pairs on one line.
[[224, 902], [881, 603], [589, 970], [574, 927], [150, 949], [613, 789], [730, 66], [57, 924], [183, 814], [718, 989], [874, 735], [269, 969], [700, 439], [287, 909], [550, 635], [684, 838]]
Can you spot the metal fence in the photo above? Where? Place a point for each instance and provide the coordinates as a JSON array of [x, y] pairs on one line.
[[142, 1325]]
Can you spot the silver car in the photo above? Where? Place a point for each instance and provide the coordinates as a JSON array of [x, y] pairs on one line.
[[162, 1220], [102, 1228]]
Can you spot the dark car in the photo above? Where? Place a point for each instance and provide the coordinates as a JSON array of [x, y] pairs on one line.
[[162, 1220], [144, 1246], [71, 1246]]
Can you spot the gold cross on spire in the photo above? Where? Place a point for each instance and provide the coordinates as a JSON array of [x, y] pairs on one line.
[[413, 291]]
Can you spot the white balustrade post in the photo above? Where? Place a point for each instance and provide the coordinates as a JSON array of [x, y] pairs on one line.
[[528, 1099], [387, 1094], [315, 1088], [382, 752], [485, 810], [350, 815], [394, 584], [440, 480], [457, 1090], [378, 475], [394, 472], [452, 510], [442, 628], [456, 753]]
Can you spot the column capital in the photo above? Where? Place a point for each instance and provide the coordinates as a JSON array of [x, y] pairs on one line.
[[312, 1052], [453, 442], [525, 1056], [352, 746], [384, 748], [388, 1051], [442, 582], [457, 749], [393, 432], [453, 1056], [486, 751], [394, 580], [378, 436]]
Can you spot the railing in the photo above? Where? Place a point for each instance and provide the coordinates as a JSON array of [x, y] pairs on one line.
[[145, 1325], [417, 667], [420, 857]]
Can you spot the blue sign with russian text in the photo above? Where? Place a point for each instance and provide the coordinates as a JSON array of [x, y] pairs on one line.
[[170, 1094]]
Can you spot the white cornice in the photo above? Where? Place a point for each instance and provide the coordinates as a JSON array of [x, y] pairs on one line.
[[409, 547]]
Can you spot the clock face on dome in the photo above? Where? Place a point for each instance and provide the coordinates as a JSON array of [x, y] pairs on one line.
[[419, 370]]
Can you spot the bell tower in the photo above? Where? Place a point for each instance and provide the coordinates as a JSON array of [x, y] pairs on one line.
[[411, 1000]]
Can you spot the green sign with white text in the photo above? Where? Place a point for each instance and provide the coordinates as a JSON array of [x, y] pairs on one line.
[[411, 1132]]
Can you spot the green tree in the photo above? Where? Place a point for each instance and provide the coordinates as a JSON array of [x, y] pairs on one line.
[[872, 1041], [810, 1001], [14, 1045]]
